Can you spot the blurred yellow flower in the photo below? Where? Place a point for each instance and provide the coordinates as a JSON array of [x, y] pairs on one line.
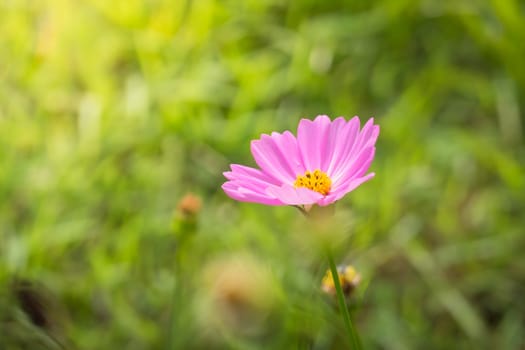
[[349, 279]]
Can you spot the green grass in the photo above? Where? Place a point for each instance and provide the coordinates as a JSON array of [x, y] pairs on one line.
[[110, 112]]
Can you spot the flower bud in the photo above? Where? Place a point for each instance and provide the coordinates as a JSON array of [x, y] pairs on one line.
[[189, 206]]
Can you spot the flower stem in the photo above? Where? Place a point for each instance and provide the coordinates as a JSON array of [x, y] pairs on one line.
[[175, 297], [302, 210], [350, 330]]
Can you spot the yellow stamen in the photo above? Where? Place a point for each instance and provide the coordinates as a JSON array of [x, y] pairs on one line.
[[317, 181]]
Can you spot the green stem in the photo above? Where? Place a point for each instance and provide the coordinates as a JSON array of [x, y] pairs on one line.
[[174, 298], [350, 330]]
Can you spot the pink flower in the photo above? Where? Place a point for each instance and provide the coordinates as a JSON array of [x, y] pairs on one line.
[[324, 162]]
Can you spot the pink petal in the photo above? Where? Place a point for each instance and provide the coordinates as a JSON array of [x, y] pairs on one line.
[[366, 138], [368, 134], [343, 190], [245, 195], [294, 196], [245, 172], [334, 129], [249, 185], [312, 140], [365, 162], [355, 167], [346, 137], [287, 145], [270, 156]]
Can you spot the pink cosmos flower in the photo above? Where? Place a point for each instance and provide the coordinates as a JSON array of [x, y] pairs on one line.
[[324, 162]]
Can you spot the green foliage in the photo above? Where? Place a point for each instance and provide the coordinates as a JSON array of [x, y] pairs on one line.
[[111, 111]]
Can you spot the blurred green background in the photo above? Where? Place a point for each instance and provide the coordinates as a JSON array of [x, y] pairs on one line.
[[112, 111]]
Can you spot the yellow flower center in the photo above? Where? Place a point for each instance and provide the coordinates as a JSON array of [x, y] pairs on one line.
[[317, 181]]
